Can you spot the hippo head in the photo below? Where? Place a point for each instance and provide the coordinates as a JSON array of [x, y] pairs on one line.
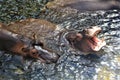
[[86, 40], [43, 55]]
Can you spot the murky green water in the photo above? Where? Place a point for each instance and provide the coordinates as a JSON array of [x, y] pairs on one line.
[[71, 65]]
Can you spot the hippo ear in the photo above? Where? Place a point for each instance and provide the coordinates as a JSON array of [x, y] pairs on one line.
[[25, 50], [79, 36]]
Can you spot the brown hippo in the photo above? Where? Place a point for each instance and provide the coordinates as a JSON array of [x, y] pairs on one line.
[[11, 43], [86, 40], [37, 30]]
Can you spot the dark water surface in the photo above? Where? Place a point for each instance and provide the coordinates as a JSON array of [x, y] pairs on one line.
[[71, 65]]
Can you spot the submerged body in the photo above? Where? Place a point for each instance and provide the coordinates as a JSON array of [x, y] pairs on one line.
[[35, 29]]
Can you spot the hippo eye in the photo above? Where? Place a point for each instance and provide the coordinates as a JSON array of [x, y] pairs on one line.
[[34, 53], [41, 44]]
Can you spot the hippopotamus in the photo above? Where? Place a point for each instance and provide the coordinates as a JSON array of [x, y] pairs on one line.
[[11, 43], [86, 40], [36, 29]]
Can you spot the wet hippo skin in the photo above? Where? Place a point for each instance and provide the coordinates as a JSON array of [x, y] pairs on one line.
[[36, 30], [12, 44], [86, 40], [15, 46]]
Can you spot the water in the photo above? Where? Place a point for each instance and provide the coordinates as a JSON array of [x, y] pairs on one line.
[[71, 65]]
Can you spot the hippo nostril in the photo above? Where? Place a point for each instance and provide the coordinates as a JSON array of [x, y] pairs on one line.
[[34, 53]]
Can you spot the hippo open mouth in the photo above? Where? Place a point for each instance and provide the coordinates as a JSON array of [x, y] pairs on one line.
[[93, 41], [86, 40]]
